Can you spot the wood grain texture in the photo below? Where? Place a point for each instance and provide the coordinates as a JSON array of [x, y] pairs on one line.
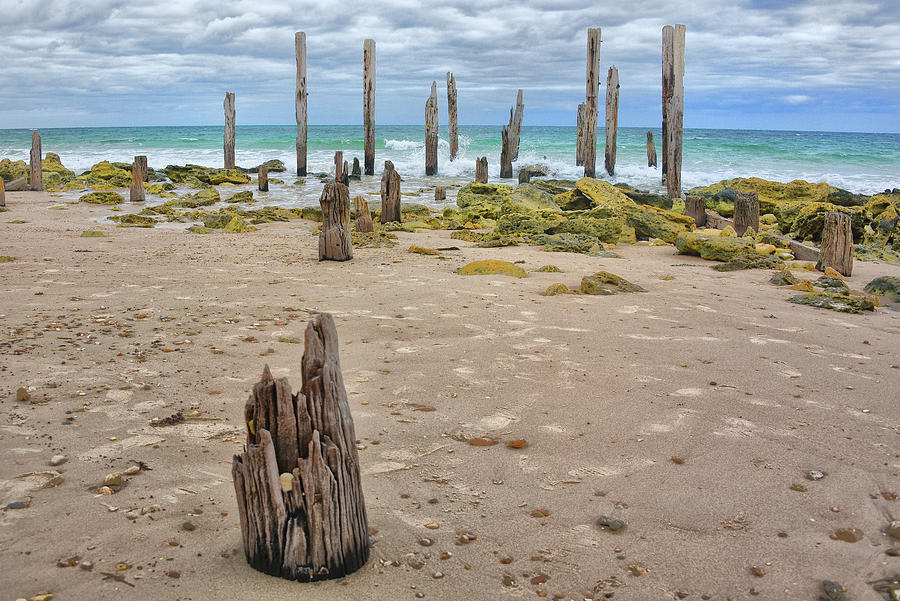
[[695, 207], [2, 193], [298, 485], [452, 117], [612, 118], [481, 170], [746, 212], [592, 68], [35, 172], [335, 242], [506, 153], [589, 152], [356, 173], [369, 105], [301, 102], [440, 193], [837, 244], [229, 130], [390, 194], [579, 129], [668, 32], [138, 176], [672, 158], [651, 150], [263, 178], [516, 126], [431, 132], [363, 215]]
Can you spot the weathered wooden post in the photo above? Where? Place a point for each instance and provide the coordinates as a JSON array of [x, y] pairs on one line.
[[363, 216], [229, 130], [672, 87], [301, 96], [592, 92], [695, 207], [579, 143], [746, 211], [335, 241], [524, 176], [453, 124], [440, 193], [35, 172], [651, 150], [612, 118], [369, 104], [390, 194], [345, 174], [2, 193], [506, 153], [672, 158], [516, 127], [356, 173], [481, 170], [263, 178], [298, 485], [837, 244], [339, 166], [431, 132], [589, 153], [138, 175]]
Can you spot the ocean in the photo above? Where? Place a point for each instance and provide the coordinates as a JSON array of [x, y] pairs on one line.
[[860, 162]]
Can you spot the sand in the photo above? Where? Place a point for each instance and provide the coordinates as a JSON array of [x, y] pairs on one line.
[[688, 412]]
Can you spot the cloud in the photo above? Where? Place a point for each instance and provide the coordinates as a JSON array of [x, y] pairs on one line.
[[797, 98]]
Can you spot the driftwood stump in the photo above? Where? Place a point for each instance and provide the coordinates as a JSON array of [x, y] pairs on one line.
[[481, 170], [651, 150], [363, 216], [612, 118], [229, 130], [390, 194], [35, 167], [837, 244], [440, 193], [431, 132], [357, 172], [516, 127], [335, 242], [138, 175], [746, 212], [2, 193], [452, 119], [589, 152], [263, 178], [369, 104], [301, 96], [345, 174], [506, 153], [298, 486], [695, 207], [524, 176], [579, 133]]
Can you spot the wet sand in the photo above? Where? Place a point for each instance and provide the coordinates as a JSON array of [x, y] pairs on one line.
[[689, 412]]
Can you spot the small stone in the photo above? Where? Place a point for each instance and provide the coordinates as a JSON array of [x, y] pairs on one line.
[[173, 574], [848, 535], [86, 565], [834, 591], [189, 527], [58, 459], [420, 595], [894, 529], [133, 470], [22, 395], [432, 526], [114, 479], [41, 596], [611, 523], [437, 575], [815, 475], [425, 541], [757, 571], [17, 505], [892, 552]]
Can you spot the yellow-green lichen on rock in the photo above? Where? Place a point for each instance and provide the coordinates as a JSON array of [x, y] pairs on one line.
[[606, 283], [556, 289], [492, 267], [237, 225], [421, 250], [102, 198], [713, 247], [13, 170], [837, 301]]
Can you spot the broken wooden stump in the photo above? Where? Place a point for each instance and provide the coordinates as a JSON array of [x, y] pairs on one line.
[[579, 133], [138, 175], [229, 130], [592, 92], [440, 193], [746, 212], [589, 152], [301, 101], [651, 150], [516, 127], [452, 119], [524, 176], [20, 183], [357, 172], [298, 485], [35, 172], [837, 244], [390, 194], [263, 178], [335, 243], [369, 104], [431, 132], [672, 90], [339, 167], [695, 207], [345, 174], [2, 193], [481, 170], [612, 118], [363, 216], [672, 158], [506, 153]]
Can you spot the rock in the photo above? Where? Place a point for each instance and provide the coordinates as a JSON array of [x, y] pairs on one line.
[[245, 196], [751, 261], [549, 269], [103, 198], [646, 198], [713, 247], [894, 529], [114, 479], [611, 523], [843, 303], [313, 214], [887, 286], [833, 591], [527, 196], [475, 193], [803, 286], [535, 170], [22, 395], [784, 278], [576, 243], [188, 527], [764, 249], [421, 250], [109, 173], [555, 289], [133, 470], [606, 283], [206, 175], [217, 221], [12, 170], [58, 460], [17, 505], [133, 220], [831, 283], [492, 267], [237, 225]]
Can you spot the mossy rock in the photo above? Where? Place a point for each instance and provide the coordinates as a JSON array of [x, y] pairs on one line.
[[549, 269], [831, 284], [784, 278], [134, 220], [557, 289], [12, 170], [476, 215], [159, 189], [207, 175], [55, 175], [102, 198], [111, 174], [421, 250], [492, 267], [712, 247], [205, 197], [470, 235], [237, 225], [574, 243], [647, 221], [476, 193], [528, 197], [92, 234], [554, 186], [245, 196], [606, 283], [844, 303], [217, 221], [886, 285], [573, 200], [751, 261], [6, 259], [870, 253], [646, 198], [313, 214], [273, 165], [200, 229], [376, 239], [495, 241]]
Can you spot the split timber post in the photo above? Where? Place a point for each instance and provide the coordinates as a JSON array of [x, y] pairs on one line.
[[263, 179], [672, 158], [369, 104], [592, 91], [672, 87], [298, 485], [453, 124], [516, 127], [506, 153], [363, 216], [440, 193], [229, 130], [481, 170], [345, 175], [589, 153], [431, 132], [339, 166], [2, 193], [695, 207], [335, 241], [357, 172], [390, 194], [138, 175], [746, 212], [35, 173], [837, 244], [301, 94], [651, 150], [612, 118], [579, 144]]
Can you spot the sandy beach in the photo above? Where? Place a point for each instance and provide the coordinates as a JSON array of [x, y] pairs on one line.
[[701, 413]]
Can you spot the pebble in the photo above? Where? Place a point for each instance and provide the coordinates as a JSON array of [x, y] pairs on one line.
[[104, 490], [815, 475], [188, 526], [437, 575], [425, 541], [420, 595], [134, 469], [86, 565], [892, 552], [22, 395], [114, 479], [58, 459], [834, 590], [894, 529], [17, 505], [611, 523]]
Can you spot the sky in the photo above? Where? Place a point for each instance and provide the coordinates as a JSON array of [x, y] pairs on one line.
[[829, 65]]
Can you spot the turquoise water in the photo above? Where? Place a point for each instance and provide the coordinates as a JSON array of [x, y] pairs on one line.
[[863, 163]]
